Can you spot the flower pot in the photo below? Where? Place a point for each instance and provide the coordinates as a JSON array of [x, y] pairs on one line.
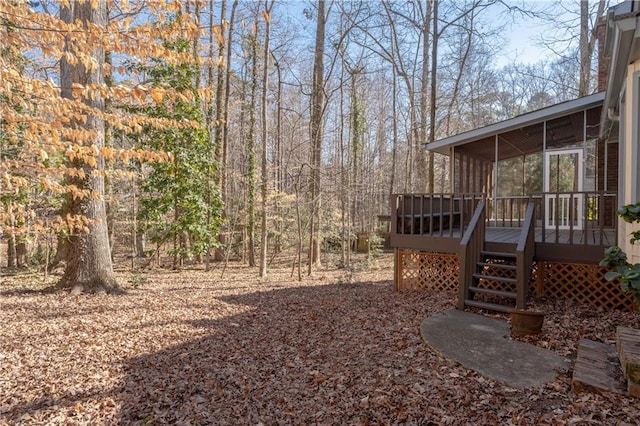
[[525, 322]]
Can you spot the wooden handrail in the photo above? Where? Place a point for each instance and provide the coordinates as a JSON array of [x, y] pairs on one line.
[[525, 252], [448, 215], [471, 245], [433, 215]]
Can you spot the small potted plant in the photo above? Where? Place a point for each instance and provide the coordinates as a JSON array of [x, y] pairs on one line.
[[628, 274]]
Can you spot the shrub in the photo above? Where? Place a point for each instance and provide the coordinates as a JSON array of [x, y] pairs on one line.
[[628, 274]]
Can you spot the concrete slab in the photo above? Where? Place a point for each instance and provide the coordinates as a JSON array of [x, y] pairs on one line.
[[482, 344]]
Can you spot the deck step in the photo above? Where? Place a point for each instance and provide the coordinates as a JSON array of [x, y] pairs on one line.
[[495, 278], [498, 265], [492, 292], [498, 254], [488, 306], [597, 368]]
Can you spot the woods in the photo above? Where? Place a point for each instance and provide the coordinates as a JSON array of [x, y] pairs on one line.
[[194, 132], [246, 211]]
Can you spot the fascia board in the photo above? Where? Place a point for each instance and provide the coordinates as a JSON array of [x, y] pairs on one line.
[[549, 113]]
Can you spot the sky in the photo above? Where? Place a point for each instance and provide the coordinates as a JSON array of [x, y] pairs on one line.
[[522, 34], [523, 37]]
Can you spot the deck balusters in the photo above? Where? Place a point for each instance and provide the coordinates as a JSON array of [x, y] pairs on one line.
[[576, 218]]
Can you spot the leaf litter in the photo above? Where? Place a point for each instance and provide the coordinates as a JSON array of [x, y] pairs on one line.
[[338, 348]]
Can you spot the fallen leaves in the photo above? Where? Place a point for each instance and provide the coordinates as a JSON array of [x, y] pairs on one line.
[[192, 348]]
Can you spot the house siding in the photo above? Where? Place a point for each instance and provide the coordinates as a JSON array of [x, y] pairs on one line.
[[629, 152]]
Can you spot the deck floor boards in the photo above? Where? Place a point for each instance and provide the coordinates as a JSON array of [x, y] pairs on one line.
[[563, 236]]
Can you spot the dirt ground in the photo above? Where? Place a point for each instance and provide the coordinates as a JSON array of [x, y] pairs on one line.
[[340, 347]]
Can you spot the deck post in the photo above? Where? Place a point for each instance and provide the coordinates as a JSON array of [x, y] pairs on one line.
[[525, 252], [397, 268], [540, 266]]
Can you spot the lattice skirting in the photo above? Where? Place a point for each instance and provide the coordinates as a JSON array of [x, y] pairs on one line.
[[584, 283], [423, 270]]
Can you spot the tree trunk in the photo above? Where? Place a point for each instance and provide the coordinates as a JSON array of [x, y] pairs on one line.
[[344, 186], [89, 266], [588, 38], [424, 84], [140, 245], [265, 129], [21, 254], [585, 63], [251, 149], [432, 104], [357, 132], [227, 90], [62, 241], [458, 81], [394, 142], [218, 123], [278, 161], [317, 104], [415, 161], [62, 251], [213, 141], [12, 256], [298, 224]]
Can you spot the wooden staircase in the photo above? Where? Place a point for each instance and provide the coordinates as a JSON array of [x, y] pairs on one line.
[[494, 270], [496, 281]]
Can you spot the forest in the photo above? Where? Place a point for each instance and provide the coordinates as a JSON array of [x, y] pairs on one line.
[[198, 132]]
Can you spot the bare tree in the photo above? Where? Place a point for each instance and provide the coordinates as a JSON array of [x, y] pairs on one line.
[[587, 43], [572, 36], [227, 97], [265, 128], [434, 78], [250, 141], [315, 126]]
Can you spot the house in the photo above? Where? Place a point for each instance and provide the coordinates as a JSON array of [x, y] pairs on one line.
[[532, 199], [621, 108]]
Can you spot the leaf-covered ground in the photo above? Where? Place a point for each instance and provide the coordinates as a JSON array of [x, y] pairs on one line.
[[338, 348]]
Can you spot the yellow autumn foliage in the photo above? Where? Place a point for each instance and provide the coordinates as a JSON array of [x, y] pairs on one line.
[[45, 145]]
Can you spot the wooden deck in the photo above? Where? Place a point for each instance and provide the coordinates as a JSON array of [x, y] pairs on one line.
[[594, 237], [510, 235], [585, 246], [437, 222], [495, 247]]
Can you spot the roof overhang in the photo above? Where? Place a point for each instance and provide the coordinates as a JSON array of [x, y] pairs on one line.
[[522, 121]]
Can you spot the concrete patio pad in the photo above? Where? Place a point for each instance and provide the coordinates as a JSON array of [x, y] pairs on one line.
[[482, 344]]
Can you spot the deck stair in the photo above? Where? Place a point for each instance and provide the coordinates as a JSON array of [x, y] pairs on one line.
[[495, 280]]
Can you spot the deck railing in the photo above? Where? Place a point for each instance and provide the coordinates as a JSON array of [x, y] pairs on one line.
[[585, 218], [441, 215], [525, 251], [507, 212], [471, 247], [593, 213]]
